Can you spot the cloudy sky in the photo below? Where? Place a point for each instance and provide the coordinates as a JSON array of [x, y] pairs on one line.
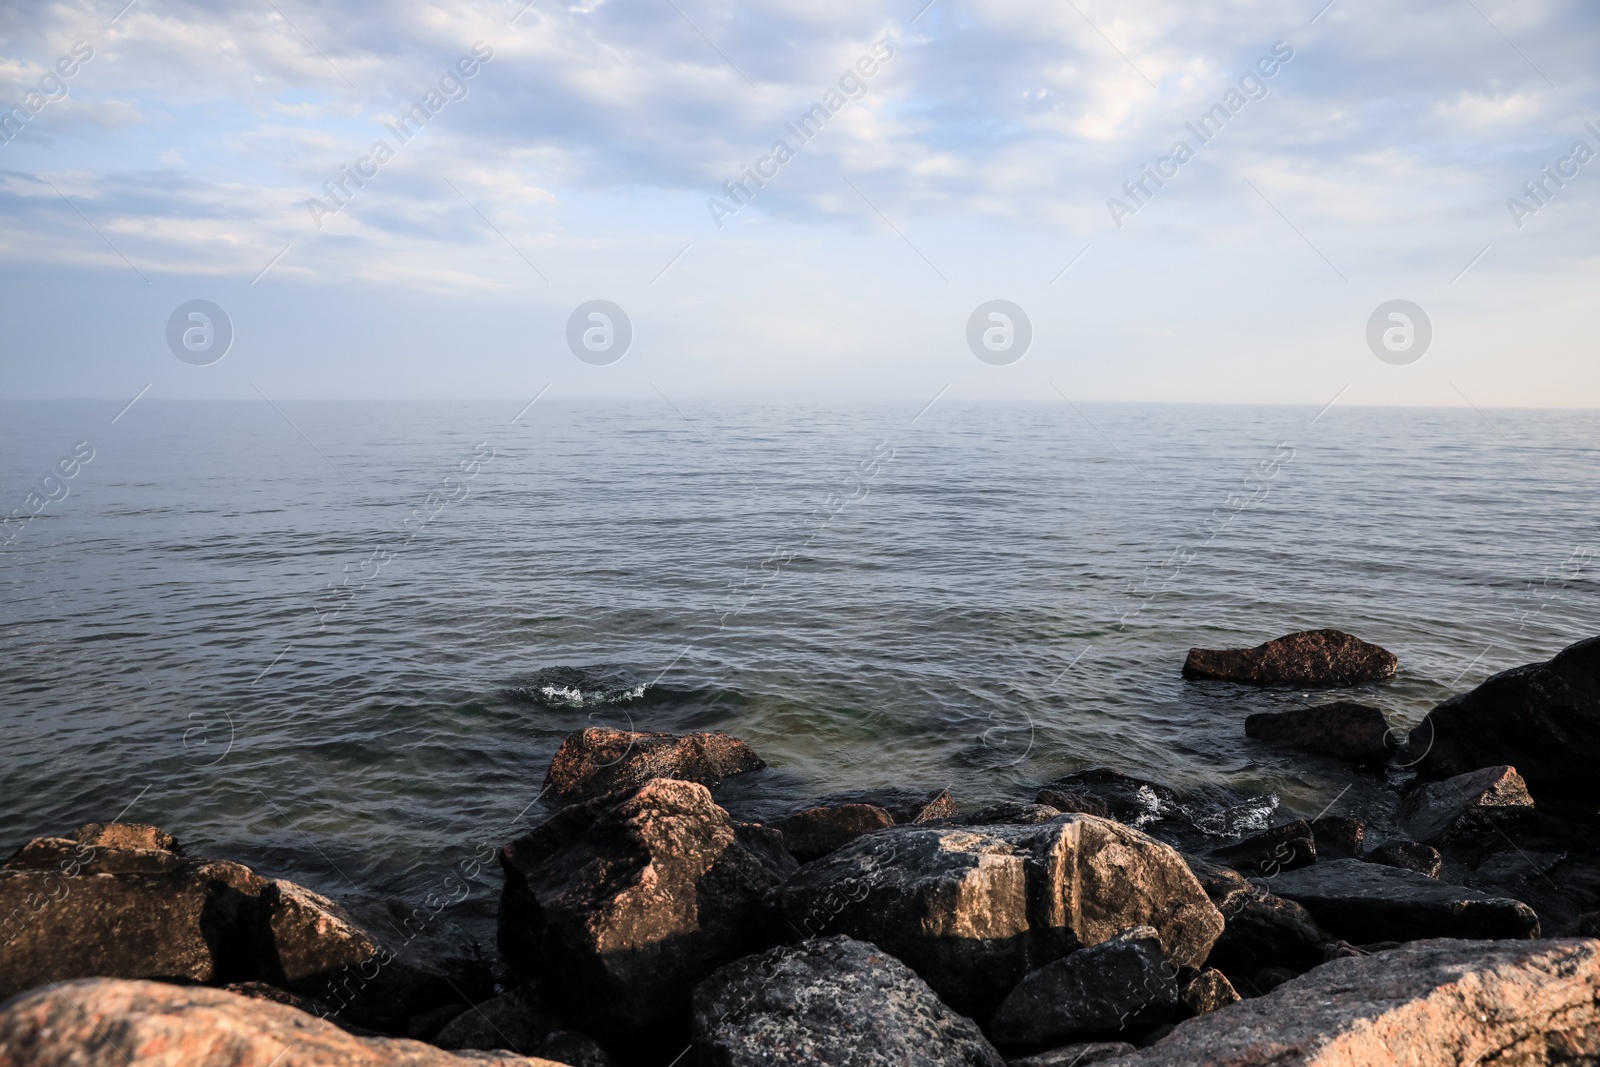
[[168, 151]]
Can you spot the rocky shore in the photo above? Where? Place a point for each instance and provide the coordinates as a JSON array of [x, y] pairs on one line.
[[1086, 921]]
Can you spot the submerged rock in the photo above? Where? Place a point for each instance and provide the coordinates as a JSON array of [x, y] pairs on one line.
[[969, 909], [1345, 730], [830, 1001], [1365, 902], [599, 760], [905, 806], [1542, 718], [624, 902], [108, 1022], [1127, 799], [1306, 658], [815, 832], [1408, 855], [1120, 986], [1487, 799], [1428, 1004]]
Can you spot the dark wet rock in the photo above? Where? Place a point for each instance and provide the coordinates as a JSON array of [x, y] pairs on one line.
[[815, 832], [1408, 855], [1260, 929], [1338, 836], [574, 1049], [1345, 730], [1542, 718], [1078, 1054], [624, 902], [1269, 978], [830, 1001], [599, 760], [1307, 658], [1363, 902], [518, 1020], [1081, 803], [1134, 801], [1121, 986], [108, 1022], [971, 908], [1282, 848], [310, 1005], [1206, 991], [1486, 799], [1441, 1003], [1011, 811], [906, 806], [71, 909]]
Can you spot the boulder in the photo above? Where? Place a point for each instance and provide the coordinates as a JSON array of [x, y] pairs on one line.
[[1269, 978], [1073, 802], [71, 909], [1206, 991], [1364, 902], [905, 806], [815, 832], [1307, 658], [1344, 730], [1542, 718], [599, 760], [1118, 987], [1011, 811], [830, 1001], [1079, 1054], [624, 902], [1134, 801], [1282, 848], [108, 1022], [1338, 836], [1408, 855], [970, 909], [1490, 798], [518, 1020], [1426, 1004], [127, 836]]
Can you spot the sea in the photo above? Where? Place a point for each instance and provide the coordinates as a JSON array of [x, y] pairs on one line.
[[340, 641]]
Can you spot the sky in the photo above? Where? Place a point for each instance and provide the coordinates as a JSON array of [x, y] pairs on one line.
[[1177, 202]]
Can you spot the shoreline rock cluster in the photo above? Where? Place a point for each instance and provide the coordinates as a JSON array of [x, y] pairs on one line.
[[1079, 923]]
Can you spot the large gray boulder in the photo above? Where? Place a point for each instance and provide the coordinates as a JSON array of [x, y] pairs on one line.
[[1542, 718], [622, 903], [1367, 902], [1427, 1004], [1117, 988], [109, 1022], [1490, 798], [971, 909], [830, 1001]]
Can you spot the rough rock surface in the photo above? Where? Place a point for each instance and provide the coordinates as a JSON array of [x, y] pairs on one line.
[[1345, 730], [1079, 1054], [1282, 848], [1485, 799], [1120, 986], [815, 832], [599, 760], [624, 902], [518, 1020], [107, 1022], [970, 909], [1542, 718], [127, 835], [1408, 855], [830, 1001], [1308, 658], [906, 806], [1206, 991], [1338, 836], [1365, 902], [78, 909], [1081, 803], [1427, 1004]]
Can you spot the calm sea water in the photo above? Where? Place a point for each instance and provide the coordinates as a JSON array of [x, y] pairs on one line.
[[229, 628]]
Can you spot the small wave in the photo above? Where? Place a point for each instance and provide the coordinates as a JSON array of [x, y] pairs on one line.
[[1251, 816], [577, 687]]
